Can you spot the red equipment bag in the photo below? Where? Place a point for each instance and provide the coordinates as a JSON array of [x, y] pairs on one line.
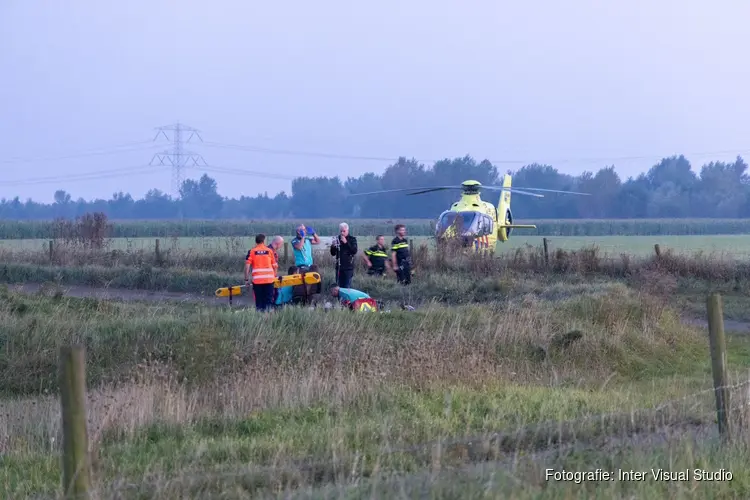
[[366, 305]]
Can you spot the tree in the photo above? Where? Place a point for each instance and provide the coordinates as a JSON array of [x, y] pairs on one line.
[[669, 188], [200, 199], [604, 187]]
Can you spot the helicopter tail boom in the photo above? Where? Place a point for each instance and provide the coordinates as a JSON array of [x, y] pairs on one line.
[[504, 217]]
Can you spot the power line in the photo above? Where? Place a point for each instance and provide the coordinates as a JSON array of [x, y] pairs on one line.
[[238, 171], [92, 152], [263, 150], [140, 170], [254, 149], [143, 169], [101, 174], [178, 158]]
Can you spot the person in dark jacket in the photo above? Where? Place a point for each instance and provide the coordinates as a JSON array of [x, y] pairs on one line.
[[376, 257], [344, 248]]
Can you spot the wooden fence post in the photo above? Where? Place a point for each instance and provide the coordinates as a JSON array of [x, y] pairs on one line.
[[75, 458], [719, 361], [156, 249], [51, 251], [286, 253], [546, 251], [657, 250]]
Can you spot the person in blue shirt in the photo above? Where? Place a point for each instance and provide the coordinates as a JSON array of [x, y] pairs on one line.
[[283, 296], [348, 294], [302, 245]]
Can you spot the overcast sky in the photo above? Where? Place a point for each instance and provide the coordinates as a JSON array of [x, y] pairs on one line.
[[547, 81]]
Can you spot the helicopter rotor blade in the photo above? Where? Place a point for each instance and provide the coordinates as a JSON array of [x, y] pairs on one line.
[[432, 190], [513, 190], [555, 191], [518, 191], [418, 190]]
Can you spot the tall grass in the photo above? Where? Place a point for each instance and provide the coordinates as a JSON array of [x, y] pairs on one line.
[[14, 229], [188, 402], [447, 277]]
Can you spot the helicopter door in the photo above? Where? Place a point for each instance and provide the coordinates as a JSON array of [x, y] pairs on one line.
[[483, 225]]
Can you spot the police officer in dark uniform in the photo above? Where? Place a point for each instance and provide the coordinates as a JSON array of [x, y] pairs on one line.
[[376, 257], [400, 255]]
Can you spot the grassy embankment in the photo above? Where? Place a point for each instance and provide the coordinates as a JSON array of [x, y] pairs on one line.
[[462, 400]]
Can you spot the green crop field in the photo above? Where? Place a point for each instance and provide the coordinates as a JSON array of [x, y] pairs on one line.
[[13, 229], [734, 245]]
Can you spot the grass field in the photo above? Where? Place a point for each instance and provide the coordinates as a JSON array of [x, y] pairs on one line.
[[465, 401], [735, 245], [509, 366]]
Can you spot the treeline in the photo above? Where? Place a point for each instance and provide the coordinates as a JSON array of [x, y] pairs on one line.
[[367, 227], [670, 189]]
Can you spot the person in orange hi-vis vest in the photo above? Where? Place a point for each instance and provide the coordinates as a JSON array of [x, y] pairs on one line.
[[262, 261]]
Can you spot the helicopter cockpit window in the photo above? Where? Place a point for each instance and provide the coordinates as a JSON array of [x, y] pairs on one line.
[[465, 221]]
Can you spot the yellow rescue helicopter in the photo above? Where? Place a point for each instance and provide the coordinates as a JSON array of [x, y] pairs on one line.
[[473, 223]]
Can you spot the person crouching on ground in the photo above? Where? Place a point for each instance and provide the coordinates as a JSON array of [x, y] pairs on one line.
[[283, 296], [344, 248], [347, 296]]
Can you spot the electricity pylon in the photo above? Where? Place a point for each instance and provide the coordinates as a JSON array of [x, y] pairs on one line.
[[178, 158]]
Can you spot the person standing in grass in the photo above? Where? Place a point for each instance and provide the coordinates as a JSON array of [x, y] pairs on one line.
[[303, 254], [262, 264], [302, 244], [344, 248], [401, 256], [402, 263], [376, 257], [276, 244]]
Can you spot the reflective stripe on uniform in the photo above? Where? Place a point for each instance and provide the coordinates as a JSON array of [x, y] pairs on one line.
[[263, 256], [399, 246]]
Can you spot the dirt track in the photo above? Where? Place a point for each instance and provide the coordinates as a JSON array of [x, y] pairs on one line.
[[125, 294]]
